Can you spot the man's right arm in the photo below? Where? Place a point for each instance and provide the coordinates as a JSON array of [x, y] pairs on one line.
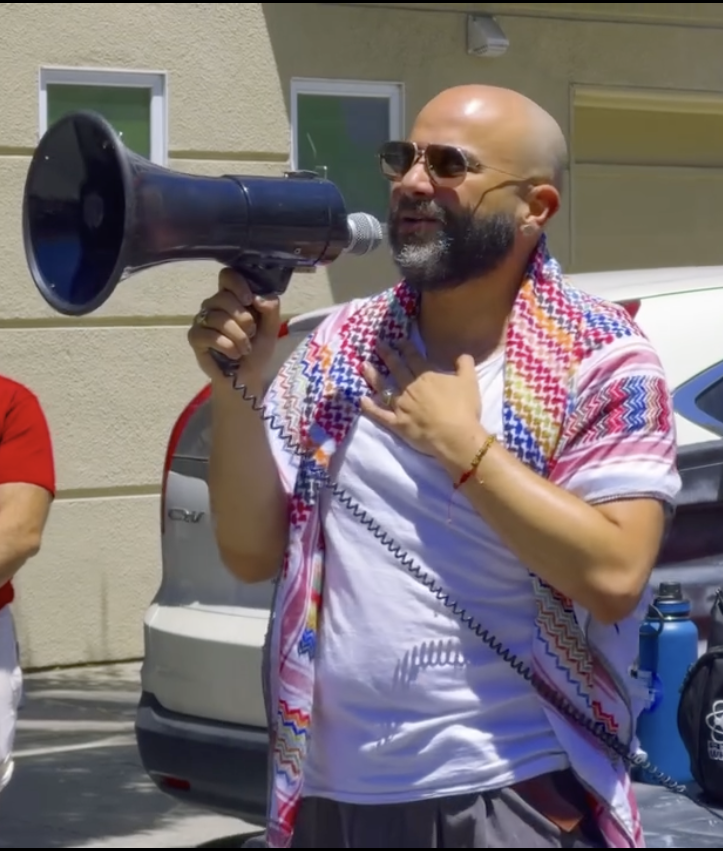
[[248, 501]]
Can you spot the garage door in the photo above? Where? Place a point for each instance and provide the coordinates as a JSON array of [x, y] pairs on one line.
[[647, 179]]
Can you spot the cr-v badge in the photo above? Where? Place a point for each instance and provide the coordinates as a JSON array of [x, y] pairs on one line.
[[184, 516]]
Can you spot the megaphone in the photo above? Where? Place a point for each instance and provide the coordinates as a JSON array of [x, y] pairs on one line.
[[95, 213]]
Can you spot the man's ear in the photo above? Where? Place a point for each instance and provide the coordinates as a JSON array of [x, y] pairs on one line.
[[543, 202]]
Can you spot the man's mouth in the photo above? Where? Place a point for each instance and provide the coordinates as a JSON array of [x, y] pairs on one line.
[[417, 218]]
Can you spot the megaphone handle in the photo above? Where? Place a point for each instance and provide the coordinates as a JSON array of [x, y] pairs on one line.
[[271, 280], [268, 281]]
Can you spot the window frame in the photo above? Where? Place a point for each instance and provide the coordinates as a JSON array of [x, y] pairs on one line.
[[685, 398], [156, 81], [394, 92]]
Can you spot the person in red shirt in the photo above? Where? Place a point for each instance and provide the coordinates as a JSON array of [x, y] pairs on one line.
[[27, 488]]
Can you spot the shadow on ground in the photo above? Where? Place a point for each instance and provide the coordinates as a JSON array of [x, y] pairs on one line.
[[78, 780]]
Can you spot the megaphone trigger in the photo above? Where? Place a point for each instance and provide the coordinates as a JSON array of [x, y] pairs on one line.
[[95, 213]]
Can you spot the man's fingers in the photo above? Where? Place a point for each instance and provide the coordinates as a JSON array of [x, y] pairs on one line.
[[398, 369], [202, 339], [226, 302], [236, 323], [375, 412], [239, 332], [269, 311], [465, 365], [268, 308], [229, 279], [413, 358], [373, 377]]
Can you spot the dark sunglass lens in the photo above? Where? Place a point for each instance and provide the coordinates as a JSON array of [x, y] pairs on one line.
[[446, 161], [396, 158]]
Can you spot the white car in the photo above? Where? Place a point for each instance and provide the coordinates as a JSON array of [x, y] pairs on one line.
[[201, 723]]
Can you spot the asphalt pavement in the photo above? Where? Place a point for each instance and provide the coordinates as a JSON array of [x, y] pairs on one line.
[[78, 782]]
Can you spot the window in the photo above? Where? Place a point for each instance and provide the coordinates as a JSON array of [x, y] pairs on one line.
[[337, 128], [700, 400], [133, 102]]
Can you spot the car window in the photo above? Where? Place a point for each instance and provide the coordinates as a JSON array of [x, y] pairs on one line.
[[710, 401], [700, 400]]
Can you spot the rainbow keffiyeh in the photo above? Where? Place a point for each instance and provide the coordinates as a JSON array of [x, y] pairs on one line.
[[583, 392]]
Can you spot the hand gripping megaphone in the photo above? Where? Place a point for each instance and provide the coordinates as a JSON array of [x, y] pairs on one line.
[[94, 213]]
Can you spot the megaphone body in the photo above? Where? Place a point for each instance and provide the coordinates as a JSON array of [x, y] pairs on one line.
[[94, 213]]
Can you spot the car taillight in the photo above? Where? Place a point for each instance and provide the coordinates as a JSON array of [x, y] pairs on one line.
[[632, 307], [199, 399]]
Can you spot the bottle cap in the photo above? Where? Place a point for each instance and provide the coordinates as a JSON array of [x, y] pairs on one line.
[[670, 591], [669, 603]]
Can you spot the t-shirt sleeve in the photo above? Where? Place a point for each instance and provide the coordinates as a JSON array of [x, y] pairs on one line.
[[620, 442], [26, 450]]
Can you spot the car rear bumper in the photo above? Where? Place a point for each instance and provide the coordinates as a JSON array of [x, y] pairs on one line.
[[210, 764], [205, 662]]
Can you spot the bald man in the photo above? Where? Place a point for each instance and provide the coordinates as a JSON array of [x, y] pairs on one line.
[[503, 454]]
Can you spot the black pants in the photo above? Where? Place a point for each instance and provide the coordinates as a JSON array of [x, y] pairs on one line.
[[499, 819]]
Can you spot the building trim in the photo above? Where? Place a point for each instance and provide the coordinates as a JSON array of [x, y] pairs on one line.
[[647, 100]]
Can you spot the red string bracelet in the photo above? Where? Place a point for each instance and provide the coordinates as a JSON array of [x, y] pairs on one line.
[[476, 461]]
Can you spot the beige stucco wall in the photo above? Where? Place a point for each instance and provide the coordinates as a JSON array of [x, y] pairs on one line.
[[113, 383]]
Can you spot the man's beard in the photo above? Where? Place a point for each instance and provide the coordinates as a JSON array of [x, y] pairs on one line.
[[463, 246]]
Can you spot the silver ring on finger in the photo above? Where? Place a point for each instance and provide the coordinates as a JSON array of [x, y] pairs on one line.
[[388, 398], [201, 318]]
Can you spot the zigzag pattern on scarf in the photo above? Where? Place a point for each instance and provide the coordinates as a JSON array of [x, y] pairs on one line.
[[291, 732], [307, 643], [625, 405], [605, 718], [562, 637]]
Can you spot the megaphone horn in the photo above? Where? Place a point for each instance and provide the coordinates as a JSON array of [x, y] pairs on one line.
[[95, 213]]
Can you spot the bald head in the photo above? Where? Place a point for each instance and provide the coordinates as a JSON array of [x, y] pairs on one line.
[[448, 227], [510, 130]]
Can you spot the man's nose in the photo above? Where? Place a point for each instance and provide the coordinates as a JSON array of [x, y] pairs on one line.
[[417, 181]]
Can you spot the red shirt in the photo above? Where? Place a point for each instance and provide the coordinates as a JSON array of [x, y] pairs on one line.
[[26, 451]]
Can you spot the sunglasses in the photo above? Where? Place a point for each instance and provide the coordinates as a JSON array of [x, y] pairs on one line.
[[445, 164]]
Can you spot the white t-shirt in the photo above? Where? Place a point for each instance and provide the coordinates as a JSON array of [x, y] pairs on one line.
[[409, 702]]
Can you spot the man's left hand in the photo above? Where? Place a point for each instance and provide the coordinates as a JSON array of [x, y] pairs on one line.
[[430, 410]]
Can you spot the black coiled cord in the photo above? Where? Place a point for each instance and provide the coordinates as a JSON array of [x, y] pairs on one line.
[[549, 694]]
